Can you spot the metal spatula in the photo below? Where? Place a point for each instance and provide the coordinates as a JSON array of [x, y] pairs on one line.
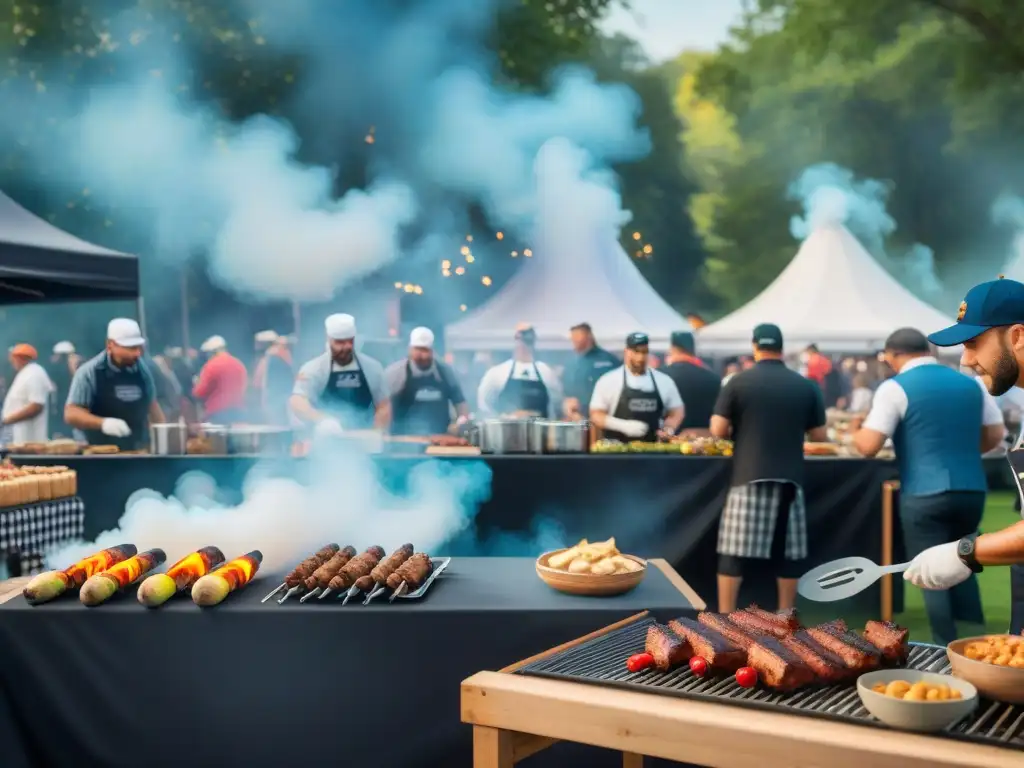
[[843, 578]]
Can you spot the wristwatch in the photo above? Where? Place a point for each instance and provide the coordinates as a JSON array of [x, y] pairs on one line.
[[965, 551]]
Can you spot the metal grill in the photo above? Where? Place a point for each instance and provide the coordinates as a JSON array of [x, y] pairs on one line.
[[602, 661]]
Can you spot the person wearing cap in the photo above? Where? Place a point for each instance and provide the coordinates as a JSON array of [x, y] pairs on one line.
[[634, 402], [698, 385], [113, 395], [272, 379], [522, 385], [592, 362], [63, 363], [28, 397], [222, 383], [340, 389], [424, 390], [940, 422], [990, 326], [767, 411]]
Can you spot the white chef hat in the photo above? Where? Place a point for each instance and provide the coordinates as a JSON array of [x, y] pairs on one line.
[[63, 348], [213, 343], [266, 336], [340, 327], [421, 337]]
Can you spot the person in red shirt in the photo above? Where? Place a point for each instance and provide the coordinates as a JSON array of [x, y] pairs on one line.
[[222, 384]]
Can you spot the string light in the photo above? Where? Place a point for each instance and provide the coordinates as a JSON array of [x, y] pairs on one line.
[[636, 235], [500, 235], [485, 280], [460, 270], [648, 250], [398, 286], [527, 253], [470, 259], [515, 254], [370, 135], [462, 307], [446, 264], [409, 288], [465, 250], [469, 238], [418, 290]]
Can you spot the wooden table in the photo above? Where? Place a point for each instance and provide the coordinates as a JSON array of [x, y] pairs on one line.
[[515, 716]]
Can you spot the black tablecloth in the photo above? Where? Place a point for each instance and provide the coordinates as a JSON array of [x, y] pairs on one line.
[[251, 684]]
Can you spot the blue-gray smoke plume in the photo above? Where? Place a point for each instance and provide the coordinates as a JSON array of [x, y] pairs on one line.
[[1008, 211]]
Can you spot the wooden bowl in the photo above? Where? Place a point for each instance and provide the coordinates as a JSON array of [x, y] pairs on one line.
[[993, 682], [589, 584]]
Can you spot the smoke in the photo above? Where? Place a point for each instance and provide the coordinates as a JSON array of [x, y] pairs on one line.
[[833, 196], [1008, 211]]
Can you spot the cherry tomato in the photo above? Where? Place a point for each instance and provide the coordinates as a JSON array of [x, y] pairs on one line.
[[639, 662], [698, 666], [746, 677]]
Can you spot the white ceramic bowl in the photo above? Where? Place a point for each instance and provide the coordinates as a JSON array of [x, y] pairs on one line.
[[923, 716]]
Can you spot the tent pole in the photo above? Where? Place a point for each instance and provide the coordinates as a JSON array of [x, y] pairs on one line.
[[140, 310]]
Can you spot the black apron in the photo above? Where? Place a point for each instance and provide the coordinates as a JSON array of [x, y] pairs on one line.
[[347, 398], [637, 405], [524, 394], [421, 408], [1016, 459], [120, 394]]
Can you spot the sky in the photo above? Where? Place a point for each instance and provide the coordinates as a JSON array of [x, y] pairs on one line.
[[666, 27]]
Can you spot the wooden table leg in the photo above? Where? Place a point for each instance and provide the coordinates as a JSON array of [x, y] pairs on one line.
[[492, 748], [632, 760]]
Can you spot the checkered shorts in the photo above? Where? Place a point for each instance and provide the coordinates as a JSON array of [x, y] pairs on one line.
[[30, 531], [748, 521]]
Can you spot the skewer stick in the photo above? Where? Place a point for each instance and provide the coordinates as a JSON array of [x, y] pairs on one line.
[[310, 595], [377, 592], [277, 589], [324, 594], [403, 588], [352, 592], [289, 593]]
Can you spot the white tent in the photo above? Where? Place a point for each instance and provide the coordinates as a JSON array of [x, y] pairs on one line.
[[833, 294], [554, 294]]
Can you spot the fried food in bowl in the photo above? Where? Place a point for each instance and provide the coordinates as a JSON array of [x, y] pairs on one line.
[[591, 569]]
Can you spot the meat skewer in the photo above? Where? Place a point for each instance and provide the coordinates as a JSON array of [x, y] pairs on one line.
[[339, 578], [318, 580], [410, 575], [303, 569], [378, 577]]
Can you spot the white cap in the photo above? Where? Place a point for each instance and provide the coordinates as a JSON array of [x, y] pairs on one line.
[[421, 337], [267, 336], [125, 332], [213, 343], [340, 327], [63, 348]]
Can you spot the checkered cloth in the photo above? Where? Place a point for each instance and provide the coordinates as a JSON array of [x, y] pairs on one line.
[[29, 531], [748, 521]]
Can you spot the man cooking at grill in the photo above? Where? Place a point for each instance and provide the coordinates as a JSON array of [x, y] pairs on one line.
[[341, 390], [423, 390], [990, 325], [113, 396], [523, 385], [634, 402], [591, 363]]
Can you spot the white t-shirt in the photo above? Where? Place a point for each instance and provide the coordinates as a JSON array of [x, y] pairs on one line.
[[609, 387], [31, 385], [494, 380]]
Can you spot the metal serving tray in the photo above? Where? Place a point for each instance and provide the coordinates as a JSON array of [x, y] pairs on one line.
[[602, 661], [440, 564]]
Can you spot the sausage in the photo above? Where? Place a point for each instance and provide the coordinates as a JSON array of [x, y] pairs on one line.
[[323, 574], [413, 572], [359, 566], [385, 568], [304, 569]]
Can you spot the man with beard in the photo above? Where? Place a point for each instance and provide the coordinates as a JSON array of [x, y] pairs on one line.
[[340, 390], [423, 390], [940, 422], [635, 402], [113, 395], [990, 325], [591, 363], [522, 385]]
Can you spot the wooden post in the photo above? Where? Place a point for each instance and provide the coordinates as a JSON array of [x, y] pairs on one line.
[[889, 489], [492, 748]]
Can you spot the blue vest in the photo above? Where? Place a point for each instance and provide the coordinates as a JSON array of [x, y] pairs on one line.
[[937, 442]]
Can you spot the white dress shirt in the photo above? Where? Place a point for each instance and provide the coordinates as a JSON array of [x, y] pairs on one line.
[[31, 385], [608, 389]]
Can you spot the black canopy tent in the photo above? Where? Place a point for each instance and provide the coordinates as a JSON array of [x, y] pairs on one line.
[[41, 263]]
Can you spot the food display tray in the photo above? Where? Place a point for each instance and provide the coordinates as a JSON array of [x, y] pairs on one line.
[[440, 564], [602, 661]]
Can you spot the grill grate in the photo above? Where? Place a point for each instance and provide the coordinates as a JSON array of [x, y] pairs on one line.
[[601, 661]]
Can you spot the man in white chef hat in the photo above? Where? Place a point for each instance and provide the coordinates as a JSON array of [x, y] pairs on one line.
[[424, 390], [341, 390]]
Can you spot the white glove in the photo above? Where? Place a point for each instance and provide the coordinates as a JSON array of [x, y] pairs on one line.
[[628, 427], [115, 428], [329, 428], [937, 568]]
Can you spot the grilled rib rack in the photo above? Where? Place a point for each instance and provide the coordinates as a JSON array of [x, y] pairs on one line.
[[602, 661]]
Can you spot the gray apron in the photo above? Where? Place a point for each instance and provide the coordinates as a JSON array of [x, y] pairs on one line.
[[1016, 459]]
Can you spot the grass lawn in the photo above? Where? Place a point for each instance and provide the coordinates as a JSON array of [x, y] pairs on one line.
[[994, 582]]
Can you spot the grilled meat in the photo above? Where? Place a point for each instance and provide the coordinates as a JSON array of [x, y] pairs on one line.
[[789, 617], [827, 667], [787, 620], [356, 568], [889, 638], [305, 569], [364, 583], [667, 648], [777, 666], [719, 622], [711, 646], [386, 567], [759, 623], [413, 572], [856, 652], [322, 575]]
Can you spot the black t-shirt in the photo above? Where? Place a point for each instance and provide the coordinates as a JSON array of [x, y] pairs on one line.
[[586, 369], [699, 389], [771, 408]]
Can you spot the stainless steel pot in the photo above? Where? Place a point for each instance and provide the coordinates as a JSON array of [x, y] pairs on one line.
[[216, 436], [560, 437], [502, 436], [259, 439], [168, 439]]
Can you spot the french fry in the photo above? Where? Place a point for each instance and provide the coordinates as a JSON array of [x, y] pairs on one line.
[[562, 559]]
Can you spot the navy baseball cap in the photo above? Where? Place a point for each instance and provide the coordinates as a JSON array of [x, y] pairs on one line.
[[988, 305], [768, 336]]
